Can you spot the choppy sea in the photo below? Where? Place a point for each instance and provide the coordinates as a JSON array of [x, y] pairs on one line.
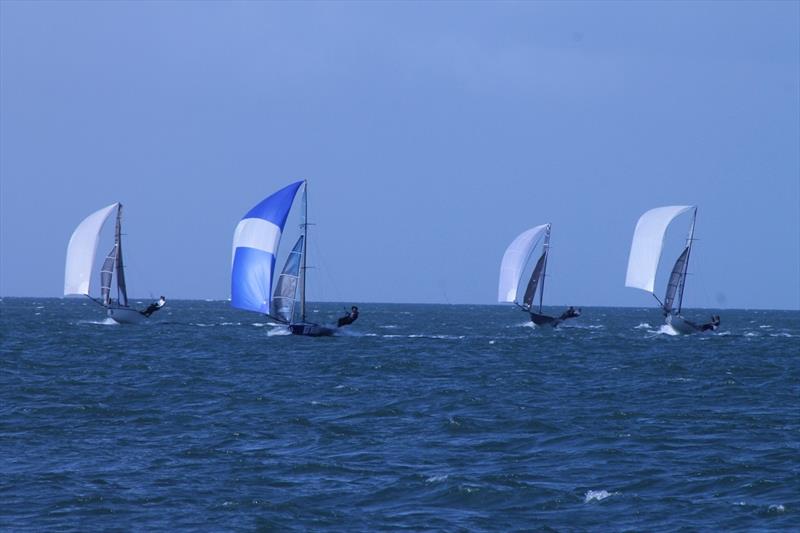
[[418, 417]]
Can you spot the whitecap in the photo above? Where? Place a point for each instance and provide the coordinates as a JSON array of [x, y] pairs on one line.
[[278, 332], [751, 334], [764, 326], [644, 325], [389, 326], [598, 495], [776, 508], [782, 334], [436, 478]]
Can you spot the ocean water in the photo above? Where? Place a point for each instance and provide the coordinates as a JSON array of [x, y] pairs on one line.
[[419, 417]]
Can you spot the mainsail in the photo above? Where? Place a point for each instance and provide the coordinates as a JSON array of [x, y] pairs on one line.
[[676, 280], [283, 301], [530, 292], [114, 261], [122, 291], [255, 246], [106, 273], [514, 260], [648, 240], [81, 252]]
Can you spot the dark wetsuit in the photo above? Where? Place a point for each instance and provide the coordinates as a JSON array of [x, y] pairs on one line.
[[153, 307], [713, 325], [349, 318], [570, 313]]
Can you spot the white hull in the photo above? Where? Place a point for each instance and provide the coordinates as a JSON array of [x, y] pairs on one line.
[[125, 315]]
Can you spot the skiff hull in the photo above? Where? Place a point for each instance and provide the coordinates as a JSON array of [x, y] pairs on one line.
[[125, 315], [682, 326], [311, 330]]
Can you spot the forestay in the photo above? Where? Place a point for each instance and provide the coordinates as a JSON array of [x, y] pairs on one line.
[[81, 251], [255, 246], [648, 241], [514, 260]]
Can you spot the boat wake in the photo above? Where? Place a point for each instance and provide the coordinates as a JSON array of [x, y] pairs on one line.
[[108, 321]]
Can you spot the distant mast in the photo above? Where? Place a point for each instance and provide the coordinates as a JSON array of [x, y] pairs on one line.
[[305, 253]]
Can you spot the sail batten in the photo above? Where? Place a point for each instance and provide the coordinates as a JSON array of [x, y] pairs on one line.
[[81, 252], [648, 241], [514, 260], [255, 247]]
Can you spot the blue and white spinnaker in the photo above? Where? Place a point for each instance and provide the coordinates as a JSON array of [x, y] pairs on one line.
[[255, 247]]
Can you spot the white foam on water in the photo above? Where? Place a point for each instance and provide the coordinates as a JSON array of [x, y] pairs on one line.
[[776, 508], [108, 321], [389, 326], [492, 342], [436, 478], [764, 326], [781, 334], [598, 495], [666, 329], [280, 331], [644, 325], [751, 334]]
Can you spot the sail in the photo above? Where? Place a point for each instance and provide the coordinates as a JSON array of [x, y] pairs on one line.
[[514, 259], [106, 273], [81, 252], [648, 240], [286, 288], [122, 291], [676, 280], [530, 292], [255, 246]]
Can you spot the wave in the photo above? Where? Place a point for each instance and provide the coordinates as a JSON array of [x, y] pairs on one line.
[[597, 495]]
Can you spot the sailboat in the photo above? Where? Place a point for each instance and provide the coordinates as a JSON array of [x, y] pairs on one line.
[[255, 249], [81, 253], [512, 268], [648, 242]]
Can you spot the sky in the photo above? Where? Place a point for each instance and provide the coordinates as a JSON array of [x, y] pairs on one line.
[[431, 135]]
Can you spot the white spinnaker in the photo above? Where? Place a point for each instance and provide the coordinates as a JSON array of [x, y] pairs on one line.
[[648, 240], [81, 251], [514, 262]]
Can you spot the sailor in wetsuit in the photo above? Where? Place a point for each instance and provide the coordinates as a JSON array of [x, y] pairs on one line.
[[349, 318], [713, 325], [570, 313], [155, 306]]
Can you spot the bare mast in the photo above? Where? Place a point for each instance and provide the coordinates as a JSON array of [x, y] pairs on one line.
[[305, 250]]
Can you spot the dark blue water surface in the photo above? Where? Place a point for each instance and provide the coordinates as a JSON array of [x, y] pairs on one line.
[[421, 417]]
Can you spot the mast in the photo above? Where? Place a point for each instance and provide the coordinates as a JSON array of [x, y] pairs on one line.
[[122, 291], [305, 249], [546, 247], [686, 266]]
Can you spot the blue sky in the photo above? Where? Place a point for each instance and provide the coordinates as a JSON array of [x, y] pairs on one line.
[[431, 133]]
